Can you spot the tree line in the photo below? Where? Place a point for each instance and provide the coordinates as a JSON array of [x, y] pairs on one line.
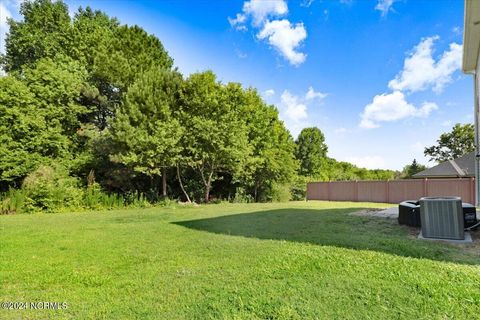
[[91, 108]]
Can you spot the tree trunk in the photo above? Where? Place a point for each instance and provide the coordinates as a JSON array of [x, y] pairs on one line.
[[164, 182], [207, 193], [208, 185], [181, 185], [207, 181], [257, 186]]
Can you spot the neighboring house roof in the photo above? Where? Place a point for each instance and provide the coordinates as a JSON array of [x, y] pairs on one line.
[[471, 36], [458, 168]]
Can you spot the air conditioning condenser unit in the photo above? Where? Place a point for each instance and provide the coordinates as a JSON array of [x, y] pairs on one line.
[[442, 218]]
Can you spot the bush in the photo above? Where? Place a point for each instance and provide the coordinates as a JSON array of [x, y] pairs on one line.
[[280, 193], [95, 198], [12, 201], [50, 188], [241, 196], [137, 199], [299, 188]]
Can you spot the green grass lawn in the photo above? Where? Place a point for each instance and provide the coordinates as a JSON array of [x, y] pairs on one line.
[[233, 261]]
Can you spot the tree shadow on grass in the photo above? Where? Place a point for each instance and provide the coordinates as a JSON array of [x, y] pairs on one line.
[[333, 227]]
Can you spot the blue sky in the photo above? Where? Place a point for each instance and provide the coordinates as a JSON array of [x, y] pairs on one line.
[[380, 78]]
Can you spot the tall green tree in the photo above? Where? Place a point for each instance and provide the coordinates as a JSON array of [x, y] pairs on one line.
[[215, 139], [333, 170], [43, 32], [92, 34], [450, 145], [120, 56], [145, 130], [112, 54], [131, 51], [27, 137], [272, 158], [310, 151], [58, 84], [41, 115], [411, 169]]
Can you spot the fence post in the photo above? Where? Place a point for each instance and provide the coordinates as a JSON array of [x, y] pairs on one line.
[[388, 190], [356, 191], [472, 190], [306, 194], [328, 190]]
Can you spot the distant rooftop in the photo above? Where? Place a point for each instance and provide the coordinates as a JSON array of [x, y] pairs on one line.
[[462, 167]]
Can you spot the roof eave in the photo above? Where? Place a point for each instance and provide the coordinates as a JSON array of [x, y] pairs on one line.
[[443, 177], [471, 36]]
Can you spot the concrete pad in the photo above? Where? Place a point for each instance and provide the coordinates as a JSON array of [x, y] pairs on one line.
[[468, 239], [391, 213]]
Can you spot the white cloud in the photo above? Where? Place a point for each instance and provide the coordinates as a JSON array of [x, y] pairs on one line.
[[7, 9], [369, 162], [425, 110], [260, 10], [312, 94], [5, 14], [384, 6], [293, 108], [269, 93], [14, 4], [392, 107], [238, 22], [457, 30], [282, 35], [421, 71], [293, 112], [306, 3], [341, 130], [285, 38]]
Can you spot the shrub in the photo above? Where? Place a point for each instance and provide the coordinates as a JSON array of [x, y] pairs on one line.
[[137, 199], [50, 188], [241, 196], [93, 196], [12, 201], [280, 193], [299, 188], [96, 198]]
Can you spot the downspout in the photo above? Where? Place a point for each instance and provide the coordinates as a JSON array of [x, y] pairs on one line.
[[477, 146]]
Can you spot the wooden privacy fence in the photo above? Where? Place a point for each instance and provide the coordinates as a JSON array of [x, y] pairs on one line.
[[391, 191]]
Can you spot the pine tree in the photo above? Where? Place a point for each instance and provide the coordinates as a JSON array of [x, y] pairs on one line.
[[145, 131]]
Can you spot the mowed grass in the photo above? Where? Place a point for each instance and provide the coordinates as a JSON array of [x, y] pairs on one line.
[[233, 261]]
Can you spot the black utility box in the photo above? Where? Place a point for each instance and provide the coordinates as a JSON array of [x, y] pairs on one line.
[[469, 214], [409, 214]]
